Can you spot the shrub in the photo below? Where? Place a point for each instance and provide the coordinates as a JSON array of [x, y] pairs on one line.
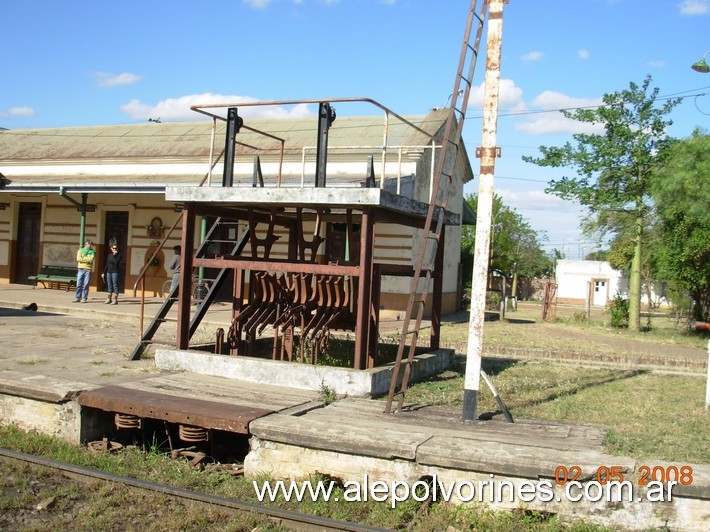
[[619, 310]]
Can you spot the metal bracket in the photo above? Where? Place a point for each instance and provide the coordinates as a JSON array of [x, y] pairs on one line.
[[490, 152]]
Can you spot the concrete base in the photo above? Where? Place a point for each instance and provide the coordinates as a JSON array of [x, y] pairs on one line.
[[49, 406], [500, 465], [281, 460], [343, 381]]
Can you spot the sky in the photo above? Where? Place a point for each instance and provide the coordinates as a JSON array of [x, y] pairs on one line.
[[89, 62]]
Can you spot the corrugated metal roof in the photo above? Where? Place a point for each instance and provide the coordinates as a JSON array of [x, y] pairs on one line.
[[192, 140]]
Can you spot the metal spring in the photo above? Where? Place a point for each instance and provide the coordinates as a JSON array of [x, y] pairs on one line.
[[193, 434], [127, 421]]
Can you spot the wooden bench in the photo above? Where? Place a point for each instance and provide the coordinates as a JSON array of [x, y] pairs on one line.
[[54, 275]]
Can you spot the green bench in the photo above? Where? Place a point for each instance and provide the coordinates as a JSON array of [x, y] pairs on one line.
[[54, 275]]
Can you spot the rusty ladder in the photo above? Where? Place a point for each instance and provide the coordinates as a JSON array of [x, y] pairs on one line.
[[440, 191]]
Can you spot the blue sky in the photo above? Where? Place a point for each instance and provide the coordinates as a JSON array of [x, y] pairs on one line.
[[107, 62]]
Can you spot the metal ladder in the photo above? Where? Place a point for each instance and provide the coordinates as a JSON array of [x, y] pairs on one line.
[[202, 306], [440, 191]]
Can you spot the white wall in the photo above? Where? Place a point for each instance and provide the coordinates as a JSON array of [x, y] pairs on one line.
[[573, 275]]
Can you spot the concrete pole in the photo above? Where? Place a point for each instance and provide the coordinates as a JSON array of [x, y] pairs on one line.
[[487, 153]]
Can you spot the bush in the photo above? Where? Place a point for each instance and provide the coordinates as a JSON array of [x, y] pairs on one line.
[[493, 300], [619, 310]]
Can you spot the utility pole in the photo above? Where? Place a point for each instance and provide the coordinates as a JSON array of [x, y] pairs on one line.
[[487, 153]]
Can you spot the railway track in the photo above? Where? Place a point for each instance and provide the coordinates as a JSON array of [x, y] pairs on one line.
[[291, 520]]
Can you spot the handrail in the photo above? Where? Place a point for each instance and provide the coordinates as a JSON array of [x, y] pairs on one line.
[[201, 108], [207, 109]]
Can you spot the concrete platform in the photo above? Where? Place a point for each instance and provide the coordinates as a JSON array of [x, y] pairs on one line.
[[63, 374], [373, 382], [354, 442]]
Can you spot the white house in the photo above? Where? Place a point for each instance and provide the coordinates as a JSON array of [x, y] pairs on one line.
[[578, 278]]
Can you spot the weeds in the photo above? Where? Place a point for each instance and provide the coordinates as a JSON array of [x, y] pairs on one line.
[[52, 333], [32, 361], [327, 394]]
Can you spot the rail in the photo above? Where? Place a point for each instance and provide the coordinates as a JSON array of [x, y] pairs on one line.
[[384, 148], [288, 518]]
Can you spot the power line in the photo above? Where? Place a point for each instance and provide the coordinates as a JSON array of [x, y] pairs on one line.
[[541, 111]]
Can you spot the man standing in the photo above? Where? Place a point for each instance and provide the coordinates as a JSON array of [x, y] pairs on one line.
[[174, 266], [85, 263]]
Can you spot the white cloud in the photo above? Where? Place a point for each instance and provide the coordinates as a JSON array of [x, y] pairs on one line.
[[658, 63], [558, 218], [583, 54], [19, 112], [510, 97], [554, 121], [104, 79], [258, 4], [178, 109], [532, 56], [536, 200], [694, 7]]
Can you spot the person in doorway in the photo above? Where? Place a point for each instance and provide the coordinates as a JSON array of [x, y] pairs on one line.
[[110, 275], [85, 264], [174, 266]]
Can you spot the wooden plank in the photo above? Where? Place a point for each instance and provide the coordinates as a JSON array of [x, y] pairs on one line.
[[514, 460], [183, 410], [562, 436], [305, 431]]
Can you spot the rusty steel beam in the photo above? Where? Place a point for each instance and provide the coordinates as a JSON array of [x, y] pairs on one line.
[[241, 214], [184, 295], [277, 266], [364, 292]]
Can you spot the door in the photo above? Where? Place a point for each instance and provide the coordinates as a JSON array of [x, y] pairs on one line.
[[600, 296], [29, 224], [116, 224]]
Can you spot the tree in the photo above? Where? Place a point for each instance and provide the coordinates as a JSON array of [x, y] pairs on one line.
[[682, 197], [614, 168], [515, 246]]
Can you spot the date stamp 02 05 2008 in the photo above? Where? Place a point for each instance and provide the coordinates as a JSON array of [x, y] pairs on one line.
[[604, 474]]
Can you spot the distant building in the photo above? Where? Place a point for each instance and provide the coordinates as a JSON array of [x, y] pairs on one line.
[[578, 278]]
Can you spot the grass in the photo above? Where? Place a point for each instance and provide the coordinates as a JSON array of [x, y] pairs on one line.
[[32, 361], [648, 415], [52, 333], [524, 329], [82, 504]]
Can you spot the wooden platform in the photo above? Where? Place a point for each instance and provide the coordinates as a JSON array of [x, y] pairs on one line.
[[197, 400], [435, 436]]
